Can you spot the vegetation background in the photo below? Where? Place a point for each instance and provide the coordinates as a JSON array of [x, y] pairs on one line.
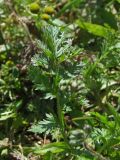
[[59, 80]]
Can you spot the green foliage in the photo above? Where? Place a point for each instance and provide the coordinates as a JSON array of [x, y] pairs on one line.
[[94, 76], [59, 80], [47, 126], [95, 29], [6, 115], [56, 147]]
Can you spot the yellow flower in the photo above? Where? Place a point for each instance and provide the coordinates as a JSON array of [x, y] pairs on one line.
[[49, 10], [45, 16], [34, 7], [9, 63]]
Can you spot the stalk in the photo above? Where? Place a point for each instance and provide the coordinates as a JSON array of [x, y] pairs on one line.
[[59, 110], [61, 119]]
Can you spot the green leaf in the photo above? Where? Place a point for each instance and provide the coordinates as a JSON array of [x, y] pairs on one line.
[[6, 115], [83, 158], [56, 147], [103, 119], [48, 156], [94, 29], [45, 126], [4, 152], [118, 1], [114, 113], [108, 18]]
